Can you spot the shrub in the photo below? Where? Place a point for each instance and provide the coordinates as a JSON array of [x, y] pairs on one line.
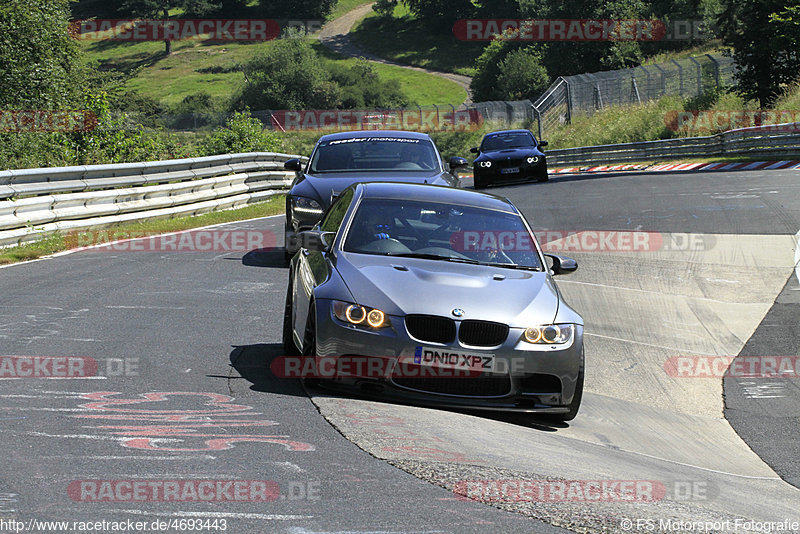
[[242, 133]]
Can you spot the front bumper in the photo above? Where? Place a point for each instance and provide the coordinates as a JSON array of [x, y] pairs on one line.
[[495, 175], [528, 378]]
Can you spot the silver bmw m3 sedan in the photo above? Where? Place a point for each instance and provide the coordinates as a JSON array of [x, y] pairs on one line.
[[435, 296]]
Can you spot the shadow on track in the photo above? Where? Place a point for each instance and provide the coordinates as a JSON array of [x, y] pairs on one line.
[[252, 362], [265, 257]]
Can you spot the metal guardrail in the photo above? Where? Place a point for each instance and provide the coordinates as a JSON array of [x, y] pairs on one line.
[[755, 141], [35, 203]]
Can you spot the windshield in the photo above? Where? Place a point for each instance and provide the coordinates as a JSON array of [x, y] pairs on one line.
[[374, 154], [439, 231], [508, 140]]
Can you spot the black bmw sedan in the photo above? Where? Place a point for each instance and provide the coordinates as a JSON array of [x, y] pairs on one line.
[[342, 159], [509, 156]]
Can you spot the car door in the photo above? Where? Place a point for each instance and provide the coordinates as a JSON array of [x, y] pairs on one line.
[[313, 267]]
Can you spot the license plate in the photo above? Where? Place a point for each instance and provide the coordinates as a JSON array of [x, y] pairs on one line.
[[454, 359], [510, 170]]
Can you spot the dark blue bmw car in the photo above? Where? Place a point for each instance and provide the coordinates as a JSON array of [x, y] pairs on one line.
[[342, 159], [509, 156]]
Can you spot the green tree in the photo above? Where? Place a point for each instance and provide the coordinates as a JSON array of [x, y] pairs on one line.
[[297, 9], [765, 41], [40, 64], [287, 75], [522, 75], [440, 14], [161, 8], [488, 69]]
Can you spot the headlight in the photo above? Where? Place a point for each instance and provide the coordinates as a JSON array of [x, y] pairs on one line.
[[485, 164], [550, 334], [533, 159], [308, 206], [357, 314]]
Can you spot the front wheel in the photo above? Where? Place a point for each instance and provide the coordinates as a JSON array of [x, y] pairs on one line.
[[477, 183], [310, 335], [310, 342], [543, 177], [289, 346]]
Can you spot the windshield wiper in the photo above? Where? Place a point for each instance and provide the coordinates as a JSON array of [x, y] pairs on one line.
[[514, 266], [431, 257], [462, 260]]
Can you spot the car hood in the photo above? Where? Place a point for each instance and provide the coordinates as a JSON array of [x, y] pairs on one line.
[[321, 188], [402, 286], [513, 153]]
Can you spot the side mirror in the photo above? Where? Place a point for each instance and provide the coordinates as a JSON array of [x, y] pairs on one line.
[[316, 240], [456, 162], [293, 165], [474, 150], [562, 264], [543, 143]]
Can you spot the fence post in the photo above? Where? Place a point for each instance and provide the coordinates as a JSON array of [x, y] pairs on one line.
[[538, 120], [569, 101], [680, 74], [635, 91], [598, 98], [716, 69], [699, 75]]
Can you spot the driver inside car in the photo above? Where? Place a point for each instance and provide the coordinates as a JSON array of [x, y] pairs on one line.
[[414, 157], [373, 226]]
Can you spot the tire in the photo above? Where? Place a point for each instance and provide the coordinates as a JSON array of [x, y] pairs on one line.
[[543, 178], [287, 253], [478, 184], [310, 344], [289, 346], [310, 335], [573, 406]]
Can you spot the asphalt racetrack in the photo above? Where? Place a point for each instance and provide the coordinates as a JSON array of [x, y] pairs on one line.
[[182, 390]]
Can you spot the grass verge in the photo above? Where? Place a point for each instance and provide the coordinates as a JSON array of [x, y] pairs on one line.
[[57, 242]]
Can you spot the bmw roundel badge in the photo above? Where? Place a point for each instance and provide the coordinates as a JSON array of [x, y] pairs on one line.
[[458, 312]]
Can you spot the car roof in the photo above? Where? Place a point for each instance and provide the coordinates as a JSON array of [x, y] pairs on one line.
[[435, 193], [375, 133]]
